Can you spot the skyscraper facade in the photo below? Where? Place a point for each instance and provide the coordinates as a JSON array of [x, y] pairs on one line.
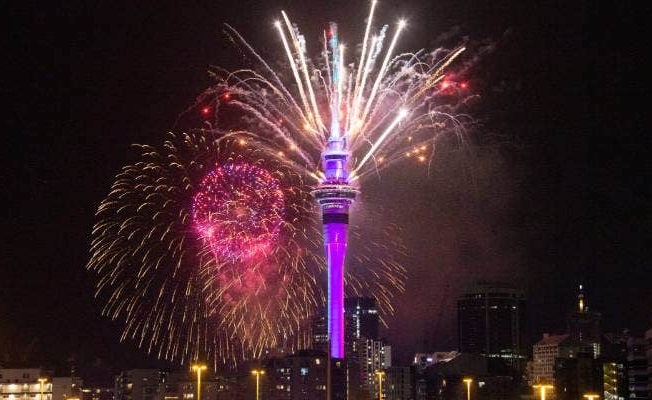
[[491, 322], [637, 369], [544, 353], [373, 356], [319, 330], [584, 326], [362, 321]]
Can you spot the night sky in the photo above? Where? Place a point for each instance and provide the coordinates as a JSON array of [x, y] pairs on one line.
[[551, 192]]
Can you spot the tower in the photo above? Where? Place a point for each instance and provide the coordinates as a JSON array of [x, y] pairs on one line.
[[584, 325], [334, 195]]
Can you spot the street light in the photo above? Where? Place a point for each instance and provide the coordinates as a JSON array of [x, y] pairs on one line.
[[591, 396], [258, 373], [198, 368], [468, 387], [43, 380], [380, 384], [542, 388]]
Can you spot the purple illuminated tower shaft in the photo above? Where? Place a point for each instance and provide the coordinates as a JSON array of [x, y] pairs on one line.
[[335, 195]]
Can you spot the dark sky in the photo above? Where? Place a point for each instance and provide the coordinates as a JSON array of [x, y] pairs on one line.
[[552, 192]]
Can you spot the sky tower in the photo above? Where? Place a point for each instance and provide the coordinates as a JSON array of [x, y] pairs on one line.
[[335, 195]]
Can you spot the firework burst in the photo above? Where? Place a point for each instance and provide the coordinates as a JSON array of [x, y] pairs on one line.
[[210, 246], [238, 210]]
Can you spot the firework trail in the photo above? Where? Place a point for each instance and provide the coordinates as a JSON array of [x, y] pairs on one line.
[[197, 249], [210, 246]]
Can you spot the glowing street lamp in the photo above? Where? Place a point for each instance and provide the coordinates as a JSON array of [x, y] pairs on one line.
[[43, 380], [258, 373], [198, 368], [542, 389], [380, 384], [591, 396], [468, 387]]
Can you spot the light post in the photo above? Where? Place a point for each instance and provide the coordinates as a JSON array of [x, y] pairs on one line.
[[591, 396], [468, 387], [258, 373], [198, 368], [380, 384], [43, 380], [542, 389]]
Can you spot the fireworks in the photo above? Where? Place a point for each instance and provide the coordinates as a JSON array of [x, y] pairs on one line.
[[210, 246], [207, 248], [384, 108], [238, 210]]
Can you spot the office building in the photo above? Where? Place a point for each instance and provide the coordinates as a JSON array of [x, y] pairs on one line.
[[637, 369], [362, 321], [363, 317], [576, 375], [319, 332], [544, 353], [491, 322], [372, 356], [614, 380]]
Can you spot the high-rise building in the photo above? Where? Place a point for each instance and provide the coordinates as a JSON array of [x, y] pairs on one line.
[[319, 331], [491, 322], [372, 356], [613, 353], [584, 325], [362, 321], [361, 342], [544, 353], [614, 380], [576, 375], [637, 369], [363, 317]]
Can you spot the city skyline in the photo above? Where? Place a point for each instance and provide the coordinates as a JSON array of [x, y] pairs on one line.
[[530, 201]]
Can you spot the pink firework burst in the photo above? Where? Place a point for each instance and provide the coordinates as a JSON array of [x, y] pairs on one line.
[[238, 210]]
